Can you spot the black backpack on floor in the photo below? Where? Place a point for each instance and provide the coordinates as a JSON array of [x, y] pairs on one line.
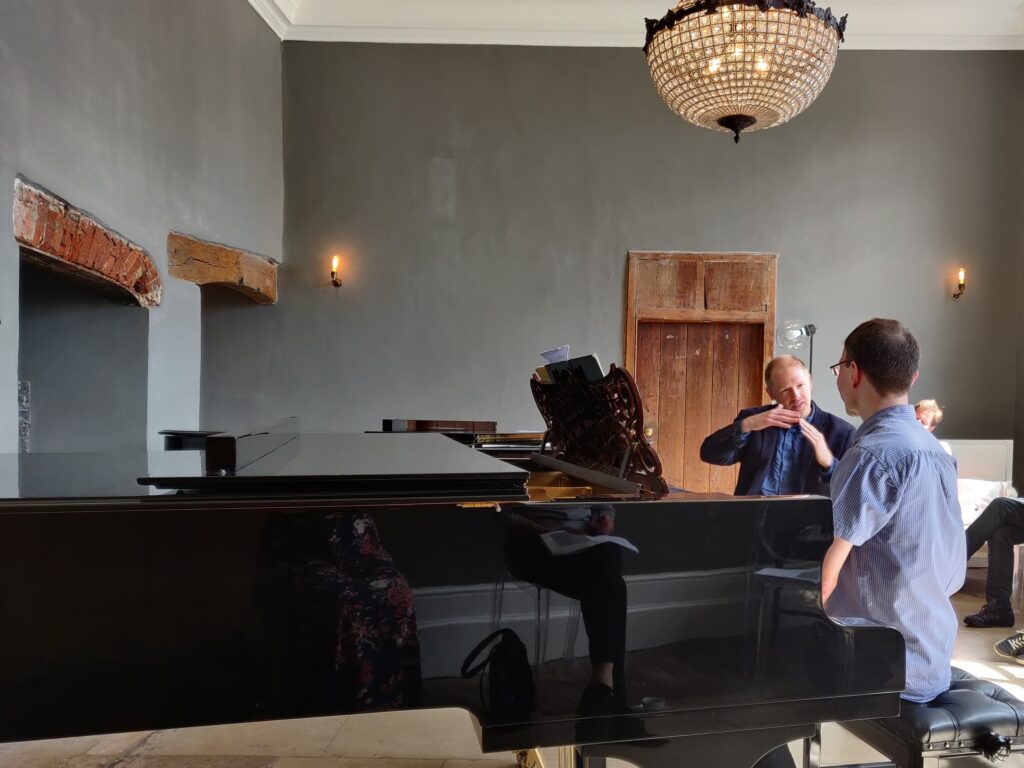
[[506, 680]]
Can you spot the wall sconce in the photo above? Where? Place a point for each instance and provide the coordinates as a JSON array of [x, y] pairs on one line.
[[335, 280], [961, 284]]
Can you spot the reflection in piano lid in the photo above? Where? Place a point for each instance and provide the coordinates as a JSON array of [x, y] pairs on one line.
[[258, 597], [294, 575]]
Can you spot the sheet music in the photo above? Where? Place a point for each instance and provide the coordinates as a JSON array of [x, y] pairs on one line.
[[566, 543]]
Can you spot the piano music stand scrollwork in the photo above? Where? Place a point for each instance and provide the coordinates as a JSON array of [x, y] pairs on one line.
[[599, 425]]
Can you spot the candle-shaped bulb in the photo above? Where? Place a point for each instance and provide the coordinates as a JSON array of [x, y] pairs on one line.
[[335, 280], [961, 286]]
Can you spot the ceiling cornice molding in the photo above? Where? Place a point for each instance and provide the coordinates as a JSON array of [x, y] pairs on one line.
[[272, 13], [874, 24]]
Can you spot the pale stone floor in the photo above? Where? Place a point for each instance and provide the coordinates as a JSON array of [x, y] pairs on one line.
[[422, 739]]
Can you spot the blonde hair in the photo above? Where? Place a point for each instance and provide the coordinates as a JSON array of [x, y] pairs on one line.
[[782, 361], [932, 407]]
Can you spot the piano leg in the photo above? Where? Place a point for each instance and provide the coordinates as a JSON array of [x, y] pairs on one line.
[[812, 749], [722, 750]]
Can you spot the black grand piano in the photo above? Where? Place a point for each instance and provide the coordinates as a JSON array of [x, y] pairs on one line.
[[281, 574]]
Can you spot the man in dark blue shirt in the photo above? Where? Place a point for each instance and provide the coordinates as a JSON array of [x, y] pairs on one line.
[[790, 447]]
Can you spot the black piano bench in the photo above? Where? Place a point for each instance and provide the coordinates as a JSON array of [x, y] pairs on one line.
[[975, 723]]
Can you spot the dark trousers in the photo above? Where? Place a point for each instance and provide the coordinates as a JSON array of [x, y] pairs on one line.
[[1002, 526], [594, 577]]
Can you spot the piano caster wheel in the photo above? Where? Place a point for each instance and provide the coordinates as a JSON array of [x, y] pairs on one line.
[[528, 758]]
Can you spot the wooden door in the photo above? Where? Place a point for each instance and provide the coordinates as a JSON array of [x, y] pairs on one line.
[[699, 333]]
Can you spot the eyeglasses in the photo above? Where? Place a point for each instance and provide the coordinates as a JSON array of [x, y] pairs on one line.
[[835, 368]]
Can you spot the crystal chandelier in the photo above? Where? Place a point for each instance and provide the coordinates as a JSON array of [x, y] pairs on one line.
[[736, 65]]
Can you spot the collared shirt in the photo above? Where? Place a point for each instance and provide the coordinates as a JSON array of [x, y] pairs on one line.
[[785, 475], [894, 498]]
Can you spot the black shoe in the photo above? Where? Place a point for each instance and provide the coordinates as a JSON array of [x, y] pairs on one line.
[[596, 704], [597, 699], [991, 617]]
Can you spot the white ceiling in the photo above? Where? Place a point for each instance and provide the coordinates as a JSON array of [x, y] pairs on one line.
[[873, 24]]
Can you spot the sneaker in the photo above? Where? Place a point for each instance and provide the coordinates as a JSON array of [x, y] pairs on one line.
[[1012, 647], [990, 617]]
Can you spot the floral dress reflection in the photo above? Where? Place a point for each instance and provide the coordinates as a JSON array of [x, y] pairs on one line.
[[341, 613]]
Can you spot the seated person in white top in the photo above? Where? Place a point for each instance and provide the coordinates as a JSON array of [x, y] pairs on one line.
[[929, 415]]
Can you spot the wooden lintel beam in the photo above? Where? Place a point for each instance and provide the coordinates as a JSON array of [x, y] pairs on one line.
[[205, 263]]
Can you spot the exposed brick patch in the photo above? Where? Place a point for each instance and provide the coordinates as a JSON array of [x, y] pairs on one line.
[[205, 263], [24, 416], [68, 239]]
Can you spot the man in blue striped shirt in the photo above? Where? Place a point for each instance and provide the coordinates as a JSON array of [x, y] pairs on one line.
[[899, 550]]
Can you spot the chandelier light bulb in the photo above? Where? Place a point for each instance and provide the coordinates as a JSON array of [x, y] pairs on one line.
[[780, 53]]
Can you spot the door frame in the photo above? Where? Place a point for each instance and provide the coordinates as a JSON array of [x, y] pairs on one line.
[[764, 316]]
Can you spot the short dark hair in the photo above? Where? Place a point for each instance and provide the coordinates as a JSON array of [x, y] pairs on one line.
[[887, 352]]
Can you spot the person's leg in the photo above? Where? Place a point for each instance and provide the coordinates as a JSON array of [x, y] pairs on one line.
[[1002, 525], [602, 596], [594, 577], [999, 512], [999, 581]]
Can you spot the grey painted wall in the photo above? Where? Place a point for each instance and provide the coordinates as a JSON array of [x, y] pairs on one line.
[[485, 198], [86, 360], [153, 115]]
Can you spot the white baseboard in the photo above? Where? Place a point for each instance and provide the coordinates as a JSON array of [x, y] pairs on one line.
[[662, 608]]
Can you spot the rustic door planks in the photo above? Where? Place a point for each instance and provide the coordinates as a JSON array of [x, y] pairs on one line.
[[699, 332]]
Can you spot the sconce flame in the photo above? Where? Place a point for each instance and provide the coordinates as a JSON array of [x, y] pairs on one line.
[[335, 280]]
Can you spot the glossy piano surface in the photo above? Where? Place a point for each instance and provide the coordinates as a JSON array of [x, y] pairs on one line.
[[138, 610], [410, 465]]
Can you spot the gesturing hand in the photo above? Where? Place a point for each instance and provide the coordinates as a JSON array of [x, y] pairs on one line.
[[773, 417], [812, 435]]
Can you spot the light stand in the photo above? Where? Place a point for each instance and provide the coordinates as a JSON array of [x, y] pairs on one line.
[[810, 329]]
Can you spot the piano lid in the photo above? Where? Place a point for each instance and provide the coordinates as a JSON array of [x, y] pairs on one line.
[[411, 466], [396, 465]]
